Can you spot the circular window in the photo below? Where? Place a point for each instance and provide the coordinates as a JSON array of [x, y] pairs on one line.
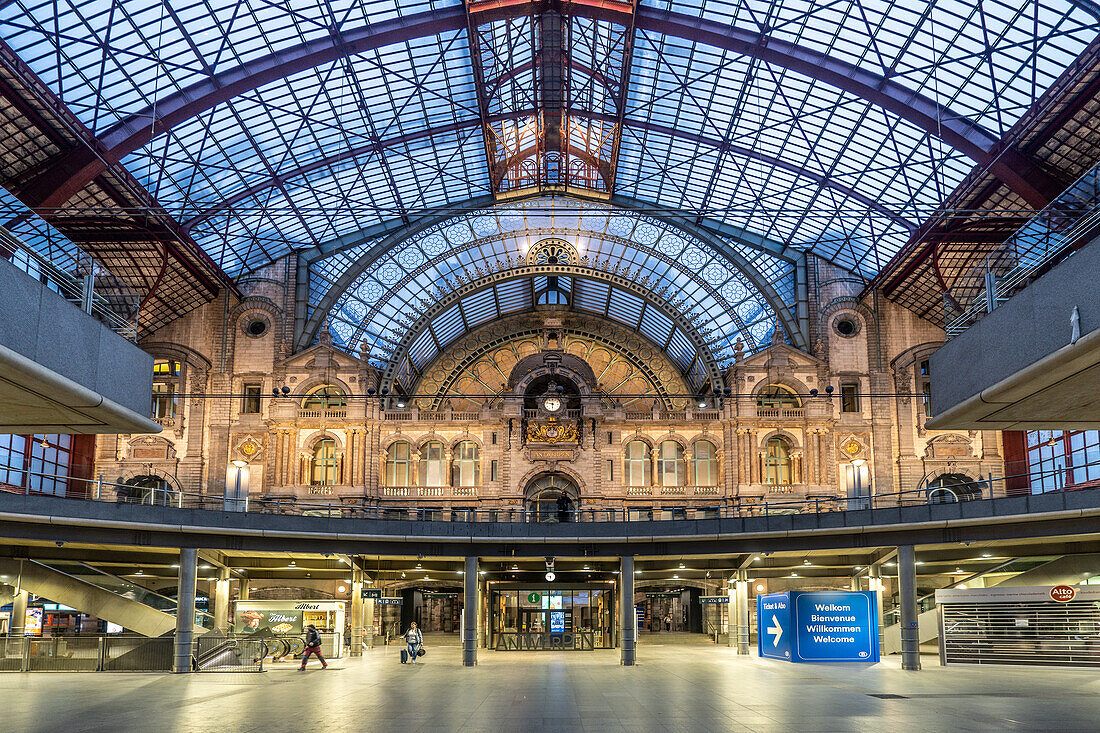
[[255, 326], [846, 325]]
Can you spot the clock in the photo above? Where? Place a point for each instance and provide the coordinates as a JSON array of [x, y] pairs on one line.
[[551, 404]]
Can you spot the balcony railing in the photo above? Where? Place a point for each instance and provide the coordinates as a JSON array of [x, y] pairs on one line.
[[706, 504], [338, 414], [781, 412], [1072, 219]]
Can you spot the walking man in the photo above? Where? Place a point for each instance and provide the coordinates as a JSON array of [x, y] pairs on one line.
[[313, 646]]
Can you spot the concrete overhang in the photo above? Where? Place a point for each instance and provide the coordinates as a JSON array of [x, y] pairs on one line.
[[37, 400], [61, 370], [1033, 363]]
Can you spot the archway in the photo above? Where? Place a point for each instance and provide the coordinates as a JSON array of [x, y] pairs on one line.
[[551, 497], [951, 488]]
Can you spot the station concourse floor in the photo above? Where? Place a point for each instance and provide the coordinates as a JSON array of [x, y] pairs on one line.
[[675, 687]]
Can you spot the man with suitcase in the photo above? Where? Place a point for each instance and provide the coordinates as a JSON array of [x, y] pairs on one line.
[[413, 640]]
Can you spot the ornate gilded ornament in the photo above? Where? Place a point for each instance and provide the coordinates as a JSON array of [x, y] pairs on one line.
[[552, 431]]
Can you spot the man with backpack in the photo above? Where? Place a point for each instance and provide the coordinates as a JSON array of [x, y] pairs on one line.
[[413, 640], [313, 646]]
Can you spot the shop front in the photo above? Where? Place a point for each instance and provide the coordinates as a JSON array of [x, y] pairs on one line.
[[286, 622], [580, 617]]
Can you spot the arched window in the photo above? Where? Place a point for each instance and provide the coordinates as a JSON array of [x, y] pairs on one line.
[[324, 397], [322, 467], [466, 469], [398, 464], [670, 463], [777, 397], [431, 465], [777, 460], [705, 456], [636, 464]]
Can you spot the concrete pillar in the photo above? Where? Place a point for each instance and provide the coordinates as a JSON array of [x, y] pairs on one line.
[[907, 602], [469, 613], [368, 623], [221, 600], [18, 621], [742, 611], [185, 610], [731, 612], [629, 637], [355, 643], [874, 584], [245, 588]]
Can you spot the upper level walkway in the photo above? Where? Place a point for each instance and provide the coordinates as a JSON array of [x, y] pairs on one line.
[[361, 531]]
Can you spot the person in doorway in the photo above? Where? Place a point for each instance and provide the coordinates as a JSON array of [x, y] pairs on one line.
[[313, 646], [668, 622], [413, 639]]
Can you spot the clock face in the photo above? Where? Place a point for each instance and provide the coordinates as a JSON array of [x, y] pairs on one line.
[[551, 404]]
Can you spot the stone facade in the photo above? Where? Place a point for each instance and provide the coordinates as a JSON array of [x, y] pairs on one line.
[[847, 418]]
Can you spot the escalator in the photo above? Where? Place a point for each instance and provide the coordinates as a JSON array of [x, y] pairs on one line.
[[92, 591]]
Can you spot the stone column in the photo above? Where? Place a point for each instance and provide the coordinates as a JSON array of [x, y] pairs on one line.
[[742, 611], [221, 600], [654, 467], [469, 613], [244, 588], [629, 636], [355, 643], [907, 600], [185, 610]]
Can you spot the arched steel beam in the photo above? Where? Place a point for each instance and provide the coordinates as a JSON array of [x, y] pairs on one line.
[[306, 327], [424, 320], [60, 181], [720, 145]]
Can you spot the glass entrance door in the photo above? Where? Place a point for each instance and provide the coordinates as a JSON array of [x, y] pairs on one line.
[[533, 620]]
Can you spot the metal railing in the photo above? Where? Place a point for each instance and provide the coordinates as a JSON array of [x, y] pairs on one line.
[[706, 507], [86, 653], [1049, 236], [92, 288]]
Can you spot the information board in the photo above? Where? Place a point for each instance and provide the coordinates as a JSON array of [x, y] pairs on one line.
[[714, 599], [374, 593], [773, 635], [819, 626]]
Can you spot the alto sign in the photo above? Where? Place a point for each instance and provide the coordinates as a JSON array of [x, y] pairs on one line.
[[1063, 593], [826, 626]]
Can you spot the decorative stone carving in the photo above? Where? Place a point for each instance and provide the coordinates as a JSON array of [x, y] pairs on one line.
[[552, 431]]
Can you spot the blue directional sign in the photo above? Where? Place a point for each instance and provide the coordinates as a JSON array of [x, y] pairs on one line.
[[773, 614], [820, 626]]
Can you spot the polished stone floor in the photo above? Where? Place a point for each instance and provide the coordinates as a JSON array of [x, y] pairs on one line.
[[676, 687]]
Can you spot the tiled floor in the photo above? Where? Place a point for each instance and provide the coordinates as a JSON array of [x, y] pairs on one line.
[[675, 687]]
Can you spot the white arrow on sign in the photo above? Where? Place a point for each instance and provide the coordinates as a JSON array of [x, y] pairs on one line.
[[775, 630]]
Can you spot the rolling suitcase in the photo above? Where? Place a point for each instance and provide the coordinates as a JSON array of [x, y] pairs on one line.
[[404, 656]]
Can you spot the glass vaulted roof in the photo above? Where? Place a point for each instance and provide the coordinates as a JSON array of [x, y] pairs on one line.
[[833, 128], [380, 129], [372, 314]]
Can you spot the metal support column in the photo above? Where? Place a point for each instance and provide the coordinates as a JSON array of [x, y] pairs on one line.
[[742, 611], [368, 623], [17, 624], [185, 610], [221, 600], [907, 601], [355, 643], [629, 636], [469, 613]]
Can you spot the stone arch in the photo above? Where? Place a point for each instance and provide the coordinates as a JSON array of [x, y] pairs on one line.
[[710, 438], [313, 438], [791, 439], [795, 385], [578, 481], [430, 437], [392, 438], [626, 439], [303, 388], [463, 438]]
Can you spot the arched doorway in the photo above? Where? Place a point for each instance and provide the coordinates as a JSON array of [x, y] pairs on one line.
[[551, 497], [146, 489], [951, 488]]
